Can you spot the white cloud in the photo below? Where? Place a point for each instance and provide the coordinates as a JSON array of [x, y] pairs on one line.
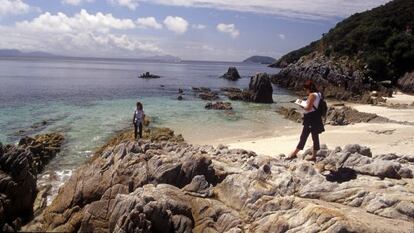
[[228, 29], [13, 7], [199, 26], [148, 22], [82, 21], [302, 9], [282, 36], [176, 24], [81, 34], [131, 4], [75, 2]]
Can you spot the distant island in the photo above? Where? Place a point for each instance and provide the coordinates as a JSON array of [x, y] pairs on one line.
[[260, 59], [18, 53], [40, 54]]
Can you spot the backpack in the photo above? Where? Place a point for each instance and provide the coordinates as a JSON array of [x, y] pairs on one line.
[[322, 107]]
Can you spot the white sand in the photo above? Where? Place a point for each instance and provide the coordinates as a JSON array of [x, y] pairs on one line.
[[397, 138]]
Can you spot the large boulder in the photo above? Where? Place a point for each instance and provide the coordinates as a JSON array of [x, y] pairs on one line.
[[261, 89], [232, 74], [406, 83]]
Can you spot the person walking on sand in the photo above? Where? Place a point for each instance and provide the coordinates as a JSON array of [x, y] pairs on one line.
[[138, 120], [312, 120]]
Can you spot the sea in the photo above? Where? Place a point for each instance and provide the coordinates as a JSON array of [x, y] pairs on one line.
[[90, 99]]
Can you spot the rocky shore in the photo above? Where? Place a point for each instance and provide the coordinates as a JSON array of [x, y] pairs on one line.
[[339, 79], [20, 198], [168, 186]]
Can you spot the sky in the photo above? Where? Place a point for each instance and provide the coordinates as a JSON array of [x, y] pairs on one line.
[[219, 30]]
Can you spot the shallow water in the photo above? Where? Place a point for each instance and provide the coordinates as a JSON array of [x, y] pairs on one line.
[[88, 100]]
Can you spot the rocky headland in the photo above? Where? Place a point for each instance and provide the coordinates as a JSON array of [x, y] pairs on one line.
[[339, 79], [165, 186]]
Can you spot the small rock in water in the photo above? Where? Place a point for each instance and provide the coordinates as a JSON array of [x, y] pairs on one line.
[[219, 106], [232, 74]]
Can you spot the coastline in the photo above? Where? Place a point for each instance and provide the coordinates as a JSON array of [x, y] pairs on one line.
[[392, 137]]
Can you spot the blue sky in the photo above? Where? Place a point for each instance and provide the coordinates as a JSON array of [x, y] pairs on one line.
[[226, 30]]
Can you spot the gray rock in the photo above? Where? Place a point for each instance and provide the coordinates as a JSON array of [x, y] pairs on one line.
[[406, 83], [219, 106], [195, 189], [232, 74], [261, 88]]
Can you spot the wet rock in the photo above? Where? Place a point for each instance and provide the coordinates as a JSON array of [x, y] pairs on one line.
[[201, 89], [219, 106], [231, 89], [261, 89], [44, 147], [232, 74], [208, 96], [241, 95]]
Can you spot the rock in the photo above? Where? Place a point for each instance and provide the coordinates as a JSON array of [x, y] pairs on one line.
[[232, 74], [347, 115], [208, 95], [406, 83], [231, 89], [241, 95], [201, 89], [340, 79], [44, 147], [261, 89], [17, 186], [219, 106], [176, 187], [199, 187], [291, 114]]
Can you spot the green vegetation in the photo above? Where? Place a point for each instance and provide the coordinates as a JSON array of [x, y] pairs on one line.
[[381, 38]]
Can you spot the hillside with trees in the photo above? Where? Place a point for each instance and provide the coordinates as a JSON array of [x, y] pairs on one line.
[[380, 41]]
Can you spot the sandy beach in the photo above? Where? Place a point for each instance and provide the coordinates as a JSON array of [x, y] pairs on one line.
[[382, 138]]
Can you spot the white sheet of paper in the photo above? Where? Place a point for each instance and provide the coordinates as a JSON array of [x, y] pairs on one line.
[[300, 103]]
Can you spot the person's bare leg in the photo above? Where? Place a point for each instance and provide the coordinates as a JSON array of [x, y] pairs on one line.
[[294, 154]]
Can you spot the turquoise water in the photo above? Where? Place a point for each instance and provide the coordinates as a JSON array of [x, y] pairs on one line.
[[89, 100]]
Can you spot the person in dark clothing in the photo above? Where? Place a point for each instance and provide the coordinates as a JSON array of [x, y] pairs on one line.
[[138, 120], [312, 121]]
